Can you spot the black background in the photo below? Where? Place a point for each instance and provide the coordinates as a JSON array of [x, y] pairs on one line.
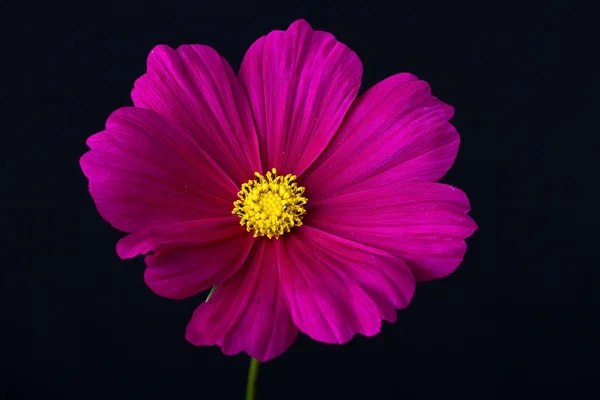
[[516, 319]]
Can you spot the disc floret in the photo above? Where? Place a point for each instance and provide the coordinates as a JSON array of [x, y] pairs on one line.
[[271, 204]]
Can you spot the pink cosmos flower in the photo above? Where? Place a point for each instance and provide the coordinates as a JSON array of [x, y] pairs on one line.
[[330, 243]]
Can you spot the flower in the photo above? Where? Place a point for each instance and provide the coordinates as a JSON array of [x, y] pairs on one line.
[[309, 209]]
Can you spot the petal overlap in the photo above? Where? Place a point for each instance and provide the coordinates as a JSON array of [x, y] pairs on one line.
[[248, 311], [196, 89], [423, 223], [395, 132], [336, 288], [145, 172]]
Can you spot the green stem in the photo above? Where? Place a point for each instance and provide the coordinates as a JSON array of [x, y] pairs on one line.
[[252, 377]]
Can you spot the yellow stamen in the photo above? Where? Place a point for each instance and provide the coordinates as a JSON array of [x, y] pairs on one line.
[[270, 205]]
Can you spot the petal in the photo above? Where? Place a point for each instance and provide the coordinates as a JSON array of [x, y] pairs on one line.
[[145, 172], [336, 288], [300, 84], [396, 131], [184, 272], [423, 223], [248, 312], [196, 89], [178, 235]]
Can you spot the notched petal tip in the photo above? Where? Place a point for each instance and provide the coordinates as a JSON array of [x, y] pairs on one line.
[[300, 25], [422, 223], [158, 50], [336, 288], [195, 89], [406, 130], [298, 66], [129, 247]]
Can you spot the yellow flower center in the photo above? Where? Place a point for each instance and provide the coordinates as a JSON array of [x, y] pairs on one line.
[[270, 205]]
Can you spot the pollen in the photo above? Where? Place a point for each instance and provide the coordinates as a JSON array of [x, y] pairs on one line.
[[270, 205]]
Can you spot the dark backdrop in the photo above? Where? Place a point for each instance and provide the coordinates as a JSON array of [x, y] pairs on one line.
[[516, 319]]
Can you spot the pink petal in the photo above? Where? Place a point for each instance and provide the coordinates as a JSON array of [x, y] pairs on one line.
[[423, 223], [196, 89], [145, 172], [300, 84], [396, 131], [178, 235], [336, 288], [248, 312], [184, 272]]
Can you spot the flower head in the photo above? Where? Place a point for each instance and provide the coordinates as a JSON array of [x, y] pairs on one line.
[[308, 208]]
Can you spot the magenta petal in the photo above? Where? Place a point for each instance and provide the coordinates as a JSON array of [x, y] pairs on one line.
[[178, 235], [145, 172], [247, 312], [423, 223], [336, 288], [184, 272], [300, 84], [196, 89], [396, 131]]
